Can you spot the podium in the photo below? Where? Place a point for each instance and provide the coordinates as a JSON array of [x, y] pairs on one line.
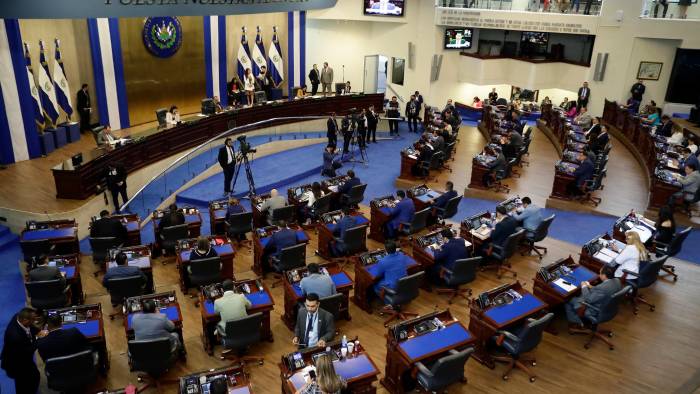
[[59, 136], [47, 144], [72, 131]]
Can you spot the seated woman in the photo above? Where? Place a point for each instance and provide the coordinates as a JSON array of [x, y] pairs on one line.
[[546, 101], [307, 211], [653, 119], [301, 93], [327, 381], [477, 103], [172, 117], [677, 137], [571, 112], [665, 225], [202, 251], [630, 256]]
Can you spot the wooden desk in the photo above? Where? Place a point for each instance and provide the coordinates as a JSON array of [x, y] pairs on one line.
[[261, 301], [332, 185], [359, 371], [408, 161], [424, 248], [224, 250], [637, 223], [475, 237], [259, 217], [69, 265], [62, 234], [403, 354], [166, 303], [293, 295], [365, 277], [138, 256], [596, 261], [217, 216], [484, 323], [479, 171], [380, 209], [236, 380], [88, 320], [422, 196], [555, 295], [261, 237], [325, 232], [563, 176], [193, 219]]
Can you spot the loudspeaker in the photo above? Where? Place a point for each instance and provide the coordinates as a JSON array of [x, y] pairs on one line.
[[411, 55], [435, 68], [601, 61]]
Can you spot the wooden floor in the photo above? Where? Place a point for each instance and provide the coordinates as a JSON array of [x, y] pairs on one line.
[[656, 351]]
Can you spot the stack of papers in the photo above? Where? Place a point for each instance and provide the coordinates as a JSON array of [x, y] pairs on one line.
[[566, 287], [482, 232], [643, 231], [606, 255]]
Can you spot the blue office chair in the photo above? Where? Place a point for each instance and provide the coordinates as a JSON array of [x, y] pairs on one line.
[[407, 289], [71, 373], [594, 316], [520, 341], [672, 249], [445, 371], [463, 272], [648, 273]]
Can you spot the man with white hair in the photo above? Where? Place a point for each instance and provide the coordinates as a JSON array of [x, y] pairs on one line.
[[274, 202]]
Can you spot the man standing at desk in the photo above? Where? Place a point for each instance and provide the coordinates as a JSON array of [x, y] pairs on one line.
[[61, 342], [230, 306], [317, 282], [592, 295], [391, 268], [18, 352], [347, 222], [227, 161], [326, 78], [116, 183], [154, 325], [281, 239], [505, 227], [403, 212], [583, 173], [314, 326], [107, 226], [122, 270], [274, 202], [84, 107], [530, 217], [332, 130], [445, 257]]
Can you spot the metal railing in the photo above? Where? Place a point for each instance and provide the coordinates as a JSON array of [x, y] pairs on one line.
[[583, 7]]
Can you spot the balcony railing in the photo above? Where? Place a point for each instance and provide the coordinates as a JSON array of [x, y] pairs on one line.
[[581, 7], [670, 9]]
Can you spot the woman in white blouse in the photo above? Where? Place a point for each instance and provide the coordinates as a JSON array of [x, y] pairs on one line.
[[631, 255], [172, 117], [249, 85]]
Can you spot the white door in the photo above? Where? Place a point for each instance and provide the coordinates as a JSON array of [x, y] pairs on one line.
[[371, 73]]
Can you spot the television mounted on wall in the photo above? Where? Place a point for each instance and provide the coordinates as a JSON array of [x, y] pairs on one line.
[[458, 38], [384, 7]]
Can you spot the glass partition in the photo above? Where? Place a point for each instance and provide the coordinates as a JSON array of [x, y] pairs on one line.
[[670, 9], [583, 7]]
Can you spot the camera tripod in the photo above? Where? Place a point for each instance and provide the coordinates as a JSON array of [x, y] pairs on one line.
[[354, 143], [242, 161]]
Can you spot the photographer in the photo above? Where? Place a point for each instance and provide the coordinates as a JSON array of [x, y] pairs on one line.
[[329, 162], [347, 127], [227, 161]]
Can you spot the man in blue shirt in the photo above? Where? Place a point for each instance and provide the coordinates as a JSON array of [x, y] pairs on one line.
[[583, 173], [353, 181], [122, 270], [530, 217], [317, 282], [329, 164], [445, 257], [235, 208], [441, 201], [391, 268], [403, 212], [281, 239], [347, 222]]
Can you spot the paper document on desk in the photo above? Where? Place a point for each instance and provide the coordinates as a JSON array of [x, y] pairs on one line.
[[606, 255], [414, 157], [467, 243], [333, 188], [481, 233], [643, 232], [566, 287]]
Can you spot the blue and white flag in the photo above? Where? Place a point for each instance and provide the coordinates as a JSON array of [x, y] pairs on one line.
[[274, 59], [46, 92], [243, 55], [258, 53], [36, 101], [60, 83]]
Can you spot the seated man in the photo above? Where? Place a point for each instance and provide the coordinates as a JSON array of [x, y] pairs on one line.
[[391, 268], [403, 212], [689, 159], [60, 342], [441, 201], [314, 326], [234, 208], [593, 295], [689, 185], [122, 270], [346, 223], [516, 139], [230, 306], [598, 144], [173, 217], [202, 251], [425, 154], [583, 173], [666, 127], [43, 272], [105, 137], [531, 216], [495, 166], [509, 150], [281, 239], [329, 162], [154, 325], [504, 228], [583, 119], [445, 257], [349, 184], [107, 226], [317, 282], [274, 202]]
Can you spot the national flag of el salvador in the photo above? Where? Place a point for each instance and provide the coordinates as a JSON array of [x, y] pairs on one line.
[[243, 55], [275, 62], [36, 101], [61, 83], [46, 91], [258, 53]]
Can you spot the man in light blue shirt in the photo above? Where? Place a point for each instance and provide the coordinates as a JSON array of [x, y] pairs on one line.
[[317, 282], [530, 217]]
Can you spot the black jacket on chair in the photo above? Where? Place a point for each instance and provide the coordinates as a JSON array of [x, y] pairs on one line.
[[62, 342]]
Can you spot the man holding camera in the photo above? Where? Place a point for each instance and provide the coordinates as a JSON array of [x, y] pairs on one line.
[[227, 161]]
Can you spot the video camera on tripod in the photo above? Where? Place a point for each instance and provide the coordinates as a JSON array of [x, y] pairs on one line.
[[244, 145]]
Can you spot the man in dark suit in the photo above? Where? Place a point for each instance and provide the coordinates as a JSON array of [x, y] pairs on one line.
[[372, 121], [666, 128], [412, 112], [107, 226], [60, 342], [583, 173], [403, 212], [332, 130], [505, 227], [43, 272], [227, 161], [594, 130], [495, 166], [329, 162], [281, 239], [637, 90], [173, 217], [265, 82], [593, 295], [116, 183], [584, 93], [18, 352], [315, 79], [445, 257], [84, 107], [601, 141], [315, 326], [347, 222], [122, 270], [353, 181], [441, 201]]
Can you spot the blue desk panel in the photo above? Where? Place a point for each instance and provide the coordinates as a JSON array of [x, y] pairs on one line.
[[372, 269], [170, 312], [349, 369], [90, 328], [132, 226], [220, 250], [340, 279], [69, 270], [49, 233], [359, 221], [240, 390], [220, 214], [301, 237], [259, 298], [385, 210], [579, 274], [428, 196], [419, 346], [504, 313]]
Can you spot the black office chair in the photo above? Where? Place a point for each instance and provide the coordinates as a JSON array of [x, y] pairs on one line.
[[354, 241], [593, 317], [463, 272], [239, 336], [321, 206], [450, 208], [520, 341], [289, 258], [592, 185], [501, 254], [205, 272], [354, 196], [406, 291], [72, 373], [539, 235], [332, 304], [161, 114], [688, 205], [122, 288], [672, 249], [96, 131], [499, 176], [238, 225], [648, 273], [444, 372], [153, 357], [171, 236], [48, 294], [434, 163], [419, 222], [285, 213], [31, 250], [525, 151], [100, 250]]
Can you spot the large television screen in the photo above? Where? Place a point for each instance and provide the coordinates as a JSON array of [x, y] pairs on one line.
[[684, 84], [534, 37], [458, 38], [384, 7]]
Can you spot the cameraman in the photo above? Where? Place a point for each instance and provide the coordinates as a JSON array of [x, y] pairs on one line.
[[227, 161], [347, 126]]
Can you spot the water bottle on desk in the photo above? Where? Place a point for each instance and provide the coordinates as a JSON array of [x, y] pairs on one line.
[[344, 346]]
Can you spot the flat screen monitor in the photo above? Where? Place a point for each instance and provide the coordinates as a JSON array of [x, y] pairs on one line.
[[208, 107], [684, 83], [384, 7], [534, 38], [458, 38], [260, 97]]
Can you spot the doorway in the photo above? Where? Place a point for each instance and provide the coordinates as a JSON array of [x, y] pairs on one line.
[[375, 74]]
